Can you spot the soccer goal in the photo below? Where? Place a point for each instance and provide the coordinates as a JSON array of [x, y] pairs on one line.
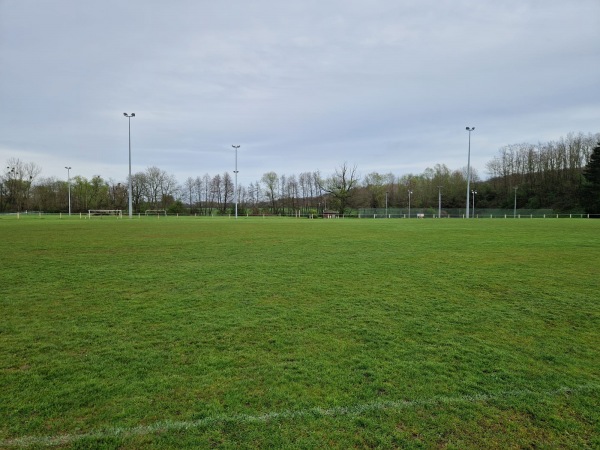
[[156, 212], [118, 213]]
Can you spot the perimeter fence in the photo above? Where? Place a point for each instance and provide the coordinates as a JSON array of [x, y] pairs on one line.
[[363, 213], [422, 213]]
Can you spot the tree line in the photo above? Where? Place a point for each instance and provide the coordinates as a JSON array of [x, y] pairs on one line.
[[549, 175]]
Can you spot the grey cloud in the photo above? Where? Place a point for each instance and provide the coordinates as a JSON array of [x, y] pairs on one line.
[[300, 85]]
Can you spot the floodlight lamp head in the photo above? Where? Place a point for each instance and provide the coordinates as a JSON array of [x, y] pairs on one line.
[[125, 114], [132, 114]]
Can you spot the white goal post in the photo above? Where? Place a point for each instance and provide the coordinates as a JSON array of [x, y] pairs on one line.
[[156, 212], [118, 213]]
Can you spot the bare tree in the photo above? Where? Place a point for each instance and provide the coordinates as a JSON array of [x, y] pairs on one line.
[[153, 185], [168, 189], [242, 196], [208, 194], [228, 190], [254, 196], [118, 195], [216, 190], [271, 182], [189, 188], [283, 200], [17, 182], [305, 184], [198, 189], [292, 192], [139, 190], [340, 185]]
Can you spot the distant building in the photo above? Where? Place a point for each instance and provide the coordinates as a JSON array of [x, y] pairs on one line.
[[329, 214]]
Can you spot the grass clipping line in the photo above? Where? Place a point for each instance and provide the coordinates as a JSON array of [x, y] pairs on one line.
[[353, 410]]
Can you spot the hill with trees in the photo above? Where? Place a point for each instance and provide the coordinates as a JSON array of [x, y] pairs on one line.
[[562, 175]]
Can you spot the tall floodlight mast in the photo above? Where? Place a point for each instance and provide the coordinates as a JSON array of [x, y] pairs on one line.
[[129, 116]]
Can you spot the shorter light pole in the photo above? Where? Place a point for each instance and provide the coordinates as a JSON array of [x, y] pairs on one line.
[[235, 196], [69, 186], [474, 194], [469, 129], [386, 205], [409, 194], [439, 202], [515, 210]]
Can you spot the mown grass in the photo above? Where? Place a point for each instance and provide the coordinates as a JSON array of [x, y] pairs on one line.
[[268, 333]]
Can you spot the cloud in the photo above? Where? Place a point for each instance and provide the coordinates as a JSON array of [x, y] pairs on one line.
[[301, 86]]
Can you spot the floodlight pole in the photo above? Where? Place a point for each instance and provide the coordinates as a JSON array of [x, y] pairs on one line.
[[515, 210], [469, 129], [69, 186], [474, 194], [409, 194], [129, 116], [386, 204], [235, 193], [439, 202]]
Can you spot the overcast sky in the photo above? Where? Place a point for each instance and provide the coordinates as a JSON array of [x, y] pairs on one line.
[[301, 85]]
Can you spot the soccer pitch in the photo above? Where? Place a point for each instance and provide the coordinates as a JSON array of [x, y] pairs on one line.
[[297, 333]]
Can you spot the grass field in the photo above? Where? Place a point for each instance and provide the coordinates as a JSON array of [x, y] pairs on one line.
[[297, 333]]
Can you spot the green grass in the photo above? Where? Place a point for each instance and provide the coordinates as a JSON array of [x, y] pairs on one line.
[[272, 333]]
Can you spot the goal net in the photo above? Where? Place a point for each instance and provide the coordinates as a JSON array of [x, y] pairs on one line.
[[156, 212], [118, 213]]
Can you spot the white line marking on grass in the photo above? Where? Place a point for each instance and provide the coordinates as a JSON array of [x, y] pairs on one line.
[[352, 410]]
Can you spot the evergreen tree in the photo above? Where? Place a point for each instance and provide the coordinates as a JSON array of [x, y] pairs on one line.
[[591, 187]]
